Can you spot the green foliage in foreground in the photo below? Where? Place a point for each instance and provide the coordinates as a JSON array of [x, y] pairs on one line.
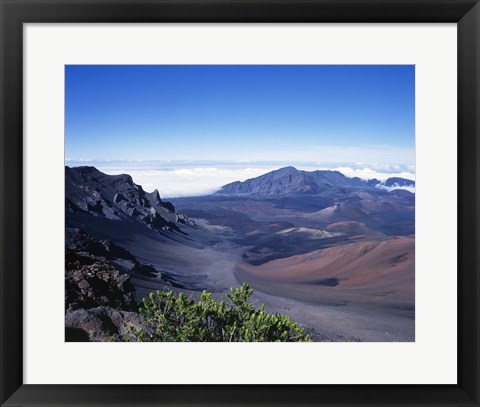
[[180, 318]]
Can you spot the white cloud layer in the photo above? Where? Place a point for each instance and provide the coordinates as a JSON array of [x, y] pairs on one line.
[[370, 173], [409, 189], [191, 179]]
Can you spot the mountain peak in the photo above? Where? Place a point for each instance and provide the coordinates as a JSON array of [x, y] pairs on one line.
[[286, 170], [156, 196], [290, 181]]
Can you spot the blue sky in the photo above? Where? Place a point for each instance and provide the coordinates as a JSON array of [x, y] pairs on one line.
[[296, 113]]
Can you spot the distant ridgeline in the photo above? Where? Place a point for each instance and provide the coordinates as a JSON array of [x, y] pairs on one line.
[[289, 181]]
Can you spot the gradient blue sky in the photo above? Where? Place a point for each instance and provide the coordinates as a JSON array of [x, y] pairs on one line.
[[239, 113]]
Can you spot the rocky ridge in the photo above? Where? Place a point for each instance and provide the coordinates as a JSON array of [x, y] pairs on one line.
[[99, 295], [117, 197]]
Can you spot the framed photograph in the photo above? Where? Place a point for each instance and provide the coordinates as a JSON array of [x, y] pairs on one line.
[[320, 227], [245, 203]]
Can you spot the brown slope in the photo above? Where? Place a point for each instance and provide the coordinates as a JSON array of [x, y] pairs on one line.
[[373, 266]]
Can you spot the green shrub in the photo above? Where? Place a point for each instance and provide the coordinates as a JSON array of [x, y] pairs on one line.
[[173, 318]]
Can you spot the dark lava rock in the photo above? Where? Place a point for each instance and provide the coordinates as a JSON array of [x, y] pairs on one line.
[[79, 241], [101, 324], [80, 246], [91, 281]]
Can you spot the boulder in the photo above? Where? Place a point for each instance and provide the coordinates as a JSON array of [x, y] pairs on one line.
[[102, 324]]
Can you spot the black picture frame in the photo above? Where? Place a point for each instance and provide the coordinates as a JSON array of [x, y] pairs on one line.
[[14, 13]]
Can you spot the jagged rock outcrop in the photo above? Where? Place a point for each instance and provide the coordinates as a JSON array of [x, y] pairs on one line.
[[101, 324], [99, 295], [117, 197], [91, 281], [78, 242], [98, 273]]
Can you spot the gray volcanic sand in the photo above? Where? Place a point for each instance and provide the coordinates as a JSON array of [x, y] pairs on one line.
[[194, 269], [354, 320]]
